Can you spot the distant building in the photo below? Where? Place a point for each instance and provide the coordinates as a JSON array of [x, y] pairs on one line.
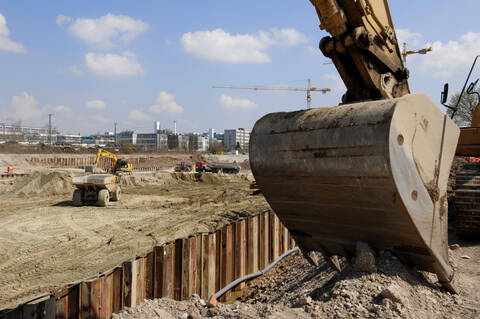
[[211, 134], [156, 127], [98, 140], [235, 139], [147, 141], [69, 139], [26, 133], [219, 137], [127, 138], [198, 143], [178, 142]]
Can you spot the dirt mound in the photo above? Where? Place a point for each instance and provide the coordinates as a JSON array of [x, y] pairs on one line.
[[393, 291], [195, 308], [136, 180], [208, 178], [43, 184]]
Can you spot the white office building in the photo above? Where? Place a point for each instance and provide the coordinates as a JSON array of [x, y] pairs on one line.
[[236, 138]]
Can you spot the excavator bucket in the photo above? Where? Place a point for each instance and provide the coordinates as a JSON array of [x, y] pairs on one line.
[[373, 172]]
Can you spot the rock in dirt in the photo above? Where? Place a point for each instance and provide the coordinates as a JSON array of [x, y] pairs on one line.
[[395, 293], [365, 259], [454, 246], [305, 301]]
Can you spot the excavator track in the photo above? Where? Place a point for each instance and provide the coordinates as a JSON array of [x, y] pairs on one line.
[[467, 200]]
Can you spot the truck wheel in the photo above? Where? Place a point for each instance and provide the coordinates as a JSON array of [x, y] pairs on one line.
[[117, 193], [77, 197], [103, 198]]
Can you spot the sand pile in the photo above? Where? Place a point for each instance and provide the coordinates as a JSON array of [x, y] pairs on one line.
[[208, 178], [393, 291], [43, 184], [194, 308]]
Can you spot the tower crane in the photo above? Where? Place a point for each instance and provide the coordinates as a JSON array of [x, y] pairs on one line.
[[308, 89]]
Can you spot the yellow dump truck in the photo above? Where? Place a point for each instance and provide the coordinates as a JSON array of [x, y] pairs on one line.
[[98, 188]]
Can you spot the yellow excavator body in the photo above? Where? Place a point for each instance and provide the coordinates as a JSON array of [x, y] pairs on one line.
[[373, 169]]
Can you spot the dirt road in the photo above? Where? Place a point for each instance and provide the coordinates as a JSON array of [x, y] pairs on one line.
[[47, 243]]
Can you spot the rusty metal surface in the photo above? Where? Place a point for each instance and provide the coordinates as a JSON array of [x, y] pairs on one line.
[[375, 172], [226, 258], [67, 305], [240, 230]]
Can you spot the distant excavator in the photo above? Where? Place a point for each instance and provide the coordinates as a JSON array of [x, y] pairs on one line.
[[373, 169], [101, 188]]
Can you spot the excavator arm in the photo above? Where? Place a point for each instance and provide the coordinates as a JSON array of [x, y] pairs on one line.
[[364, 48], [103, 153], [372, 170]]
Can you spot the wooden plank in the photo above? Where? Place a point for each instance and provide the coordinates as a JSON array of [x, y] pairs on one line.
[[199, 269], [209, 270], [226, 259], [66, 304], [117, 288], [274, 237], [164, 270], [177, 279], [149, 272], [12, 313], [91, 299], [240, 251], [189, 267], [218, 249], [264, 240], [138, 283], [252, 244], [108, 294], [127, 283], [284, 239], [44, 309]]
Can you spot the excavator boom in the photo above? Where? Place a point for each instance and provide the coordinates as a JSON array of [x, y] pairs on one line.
[[363, 47], [373, 169]]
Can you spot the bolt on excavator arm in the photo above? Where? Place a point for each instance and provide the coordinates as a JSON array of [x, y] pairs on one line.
[[363, 46]]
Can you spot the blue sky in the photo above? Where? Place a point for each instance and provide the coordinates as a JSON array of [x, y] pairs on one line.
[[92, 63]]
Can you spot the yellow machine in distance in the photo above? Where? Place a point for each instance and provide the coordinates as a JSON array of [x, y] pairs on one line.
[[118, 165]]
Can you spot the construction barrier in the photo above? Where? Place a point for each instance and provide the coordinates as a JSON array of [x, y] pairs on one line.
[[10, 175], [81, 162], [199, 264]]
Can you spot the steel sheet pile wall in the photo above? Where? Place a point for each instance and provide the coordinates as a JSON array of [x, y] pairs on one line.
[[202, 264], [81, 162]]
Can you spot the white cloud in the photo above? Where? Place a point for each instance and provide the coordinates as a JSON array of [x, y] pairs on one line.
[[96, 104], [100, 118], [62, 20], [107, 31], [165, 103], [446, 59], [221, 46], [62, 109], [113, 65], [411, 38], [231, 103], [5, 43], [138, 115], [25, 107], [75, 70], [282, 37]]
